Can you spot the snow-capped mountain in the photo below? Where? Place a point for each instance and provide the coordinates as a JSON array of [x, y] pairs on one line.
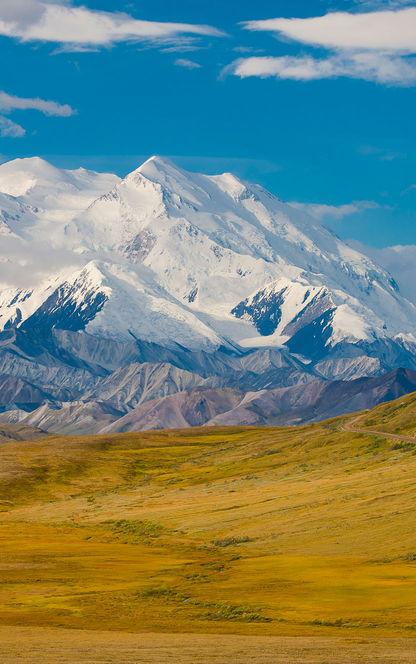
[[36, 197], [184, 259]]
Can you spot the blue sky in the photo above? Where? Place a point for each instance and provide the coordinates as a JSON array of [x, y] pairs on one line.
[[320, 111]]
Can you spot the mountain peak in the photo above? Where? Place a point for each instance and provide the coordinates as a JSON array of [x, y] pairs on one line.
[[158, 160], [30, 162], [19, 176], [181, 184], [157, 164], [206, 258], [189, 184]]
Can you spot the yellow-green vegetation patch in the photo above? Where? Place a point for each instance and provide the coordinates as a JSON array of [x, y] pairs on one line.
[[132, 532], [304, 530], [223, 612], [217, 611]]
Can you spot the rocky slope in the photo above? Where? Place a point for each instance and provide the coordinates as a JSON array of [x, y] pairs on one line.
[[222, 406]]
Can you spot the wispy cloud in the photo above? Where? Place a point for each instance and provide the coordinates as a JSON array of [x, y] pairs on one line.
[[321, 211], [408, 190], [247, 49], [63, 23], [376, 46], [10, 129], [384, 4], [367, 66], [12, 103], [187, 64]]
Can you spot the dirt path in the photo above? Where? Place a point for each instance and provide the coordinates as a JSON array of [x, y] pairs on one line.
[[349, 426], [27, 645]]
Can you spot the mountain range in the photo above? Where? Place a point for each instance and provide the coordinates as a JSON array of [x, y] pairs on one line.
[[123, 298]]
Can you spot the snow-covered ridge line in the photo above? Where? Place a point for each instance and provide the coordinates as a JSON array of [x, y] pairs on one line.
[[184, 258]]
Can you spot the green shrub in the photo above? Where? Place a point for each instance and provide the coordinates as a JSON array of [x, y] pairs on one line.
[[231, 541]]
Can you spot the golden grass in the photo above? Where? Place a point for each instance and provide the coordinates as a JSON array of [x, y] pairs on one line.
[[25, 645], [396, 417], [307, 531]]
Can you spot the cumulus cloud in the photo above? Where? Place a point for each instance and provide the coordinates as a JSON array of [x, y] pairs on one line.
[[321, 211], [376, 67], [61, 22], [378, 30], [188, 64], [11, 103], [375, 46], [10, 129]]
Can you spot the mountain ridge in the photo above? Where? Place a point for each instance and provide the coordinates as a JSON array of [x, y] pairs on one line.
[[171, 281], [165, 239]]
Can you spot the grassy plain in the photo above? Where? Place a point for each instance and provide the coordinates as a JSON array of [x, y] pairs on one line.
[[305, 532]]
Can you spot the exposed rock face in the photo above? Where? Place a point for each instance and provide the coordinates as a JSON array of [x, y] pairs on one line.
[[317, 401], [263, 309], [68, 381], [313, 402], [76, 418], [62, 310], [137, 383], [192, 408]]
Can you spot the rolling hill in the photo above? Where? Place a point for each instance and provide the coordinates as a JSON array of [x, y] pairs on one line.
[[302, 531], [19, 432]]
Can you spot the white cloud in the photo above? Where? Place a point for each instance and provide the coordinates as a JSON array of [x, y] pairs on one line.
[[374, 46], [37, 20], [377, 30], [377, 67], [399, 260], [10, 129], [188, 64], [321, 211], [22, 261], [11, 103]]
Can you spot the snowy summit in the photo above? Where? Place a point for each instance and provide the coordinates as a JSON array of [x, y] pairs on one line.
[[175, 257]]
